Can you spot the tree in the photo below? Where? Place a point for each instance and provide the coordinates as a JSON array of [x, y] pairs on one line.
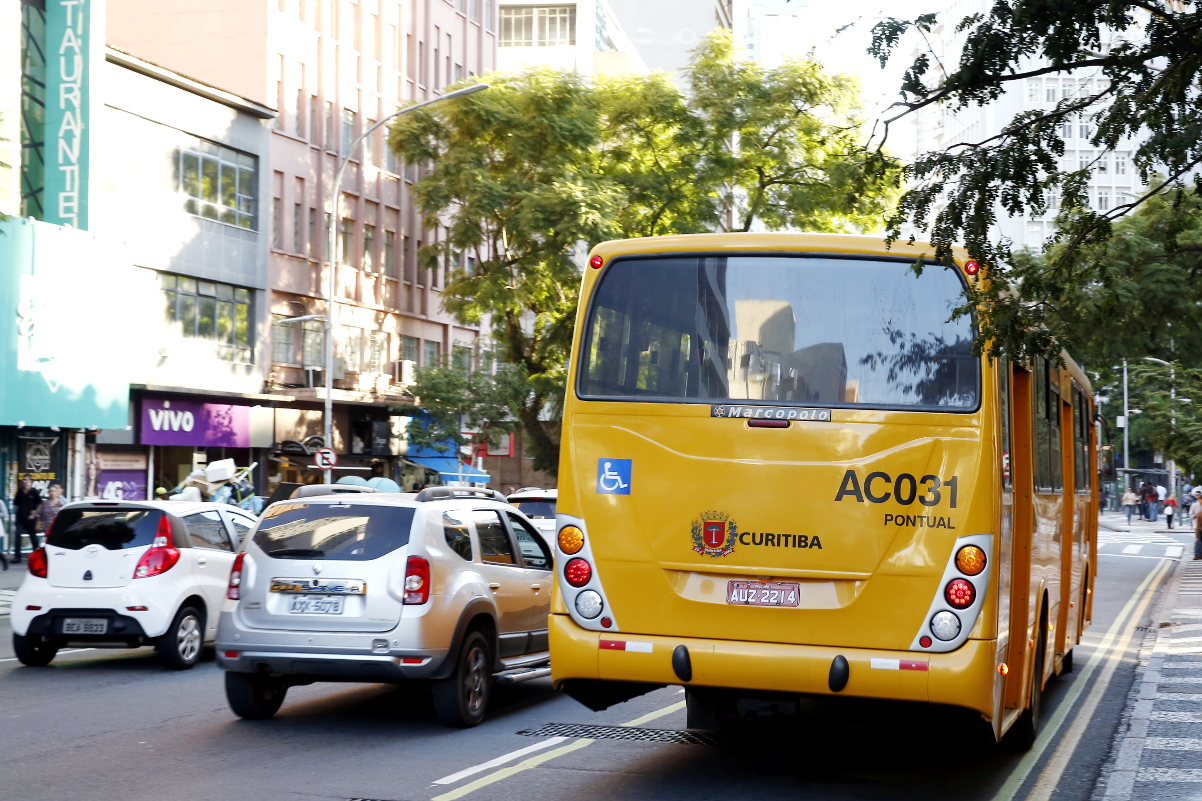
[[1168, 399], [525, 174], [1149, 56], [462, 398]]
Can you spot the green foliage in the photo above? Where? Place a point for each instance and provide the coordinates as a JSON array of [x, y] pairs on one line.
[[459, 400], [524, 176], [1170, 420], [1151, 67]]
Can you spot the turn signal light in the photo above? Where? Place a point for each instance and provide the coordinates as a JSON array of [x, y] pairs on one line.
[[38, 562], [234, 590], [417, 580], [970, 560], [960, 593], [571, 539], [1003, 669], [578, 572]]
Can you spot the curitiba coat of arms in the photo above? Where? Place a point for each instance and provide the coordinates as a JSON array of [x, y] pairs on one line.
[[714, 534]]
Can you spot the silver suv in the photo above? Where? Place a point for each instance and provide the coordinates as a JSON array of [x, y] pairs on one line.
[[451, 586]]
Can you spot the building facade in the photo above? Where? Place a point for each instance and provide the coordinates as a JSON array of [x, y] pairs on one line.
[[584, 37], [329, 70]]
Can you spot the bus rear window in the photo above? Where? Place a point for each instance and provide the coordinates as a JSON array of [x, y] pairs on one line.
[[780, 329]]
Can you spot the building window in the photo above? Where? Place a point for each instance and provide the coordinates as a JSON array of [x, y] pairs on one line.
[[314, 120], [277, 223], [369, 146], [1103, 199], [369, 248], [313, 350], [348, 130], [431, 353], [489, 5], [538, 26], [377, 354], [213, 311], [312, 232], [474, 10], [1033, 91], [218, 183], [298, 222], [1050, 93], [348, 245], [461, 357], [283, 344], [352, 349], [409, 347], [1120, 163], [390, 254], [1083, 160]]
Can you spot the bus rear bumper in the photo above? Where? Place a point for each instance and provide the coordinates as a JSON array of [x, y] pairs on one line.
[[966, 677]]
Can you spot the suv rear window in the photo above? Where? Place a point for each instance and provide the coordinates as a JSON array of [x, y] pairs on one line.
[[333, 531], [115, 529]]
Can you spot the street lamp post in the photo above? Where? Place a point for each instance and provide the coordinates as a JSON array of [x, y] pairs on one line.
[[1172, 417], [1126, 431], [332, 250]]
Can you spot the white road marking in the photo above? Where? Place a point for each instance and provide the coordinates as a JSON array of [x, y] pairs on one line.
[[1173, 743], [501, 760], [1174, 551], [1133, 549], [1169, 775], [68, 651]]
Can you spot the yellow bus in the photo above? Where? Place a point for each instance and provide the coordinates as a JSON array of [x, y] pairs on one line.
[[784, 474]]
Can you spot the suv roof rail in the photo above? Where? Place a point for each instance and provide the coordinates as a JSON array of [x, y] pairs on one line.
[[311, 490], [440, 493]]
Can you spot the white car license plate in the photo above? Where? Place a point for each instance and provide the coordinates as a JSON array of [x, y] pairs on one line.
[[85, 625], [311, 605], [762, 593]]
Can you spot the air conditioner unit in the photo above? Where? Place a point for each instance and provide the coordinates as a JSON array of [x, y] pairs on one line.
[[314, 377], [404, 371]]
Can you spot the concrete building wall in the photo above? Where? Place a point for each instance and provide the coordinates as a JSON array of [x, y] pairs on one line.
[[599, 44]]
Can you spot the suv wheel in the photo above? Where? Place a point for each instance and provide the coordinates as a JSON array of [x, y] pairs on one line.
[[179, 648], [254, 696], [33, 653], [461, 700]]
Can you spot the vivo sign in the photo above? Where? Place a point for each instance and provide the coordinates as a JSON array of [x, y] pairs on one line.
[[174, 421]]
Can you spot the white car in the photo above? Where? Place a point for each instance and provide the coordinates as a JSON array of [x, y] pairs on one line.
[[124, 574], [539, 506]]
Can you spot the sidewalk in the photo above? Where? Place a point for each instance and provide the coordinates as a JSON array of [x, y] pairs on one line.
[[1156, 755], [1117, 521]]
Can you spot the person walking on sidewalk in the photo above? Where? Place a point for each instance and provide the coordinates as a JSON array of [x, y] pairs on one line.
[[1152, 502], [48, 510], [25, 507], [1197, 528], [1129, 503], [1170, 506]]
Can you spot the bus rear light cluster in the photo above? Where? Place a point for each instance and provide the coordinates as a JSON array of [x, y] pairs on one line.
[[571, 540], [959, 599], [577, 572], [588, 604]]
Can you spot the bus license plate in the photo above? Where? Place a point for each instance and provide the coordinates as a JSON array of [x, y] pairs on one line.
[[309, 605], [762, 593]]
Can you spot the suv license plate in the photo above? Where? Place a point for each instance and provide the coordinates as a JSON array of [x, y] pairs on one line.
[[309, 605], [762, 593], [85, 625]]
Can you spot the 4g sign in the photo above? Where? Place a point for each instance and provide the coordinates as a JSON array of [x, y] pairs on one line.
[[905, 489]]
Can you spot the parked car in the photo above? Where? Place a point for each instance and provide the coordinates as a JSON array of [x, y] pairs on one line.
[[124, 574], [451, 586], [539, 506]]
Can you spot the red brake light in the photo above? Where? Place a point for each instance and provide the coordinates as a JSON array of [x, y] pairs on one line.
[[578, 572], [960, 593], [595, 262], [971, 267], [158, 559], [234, 591], [162, 535], [417, 580], [37, 562]]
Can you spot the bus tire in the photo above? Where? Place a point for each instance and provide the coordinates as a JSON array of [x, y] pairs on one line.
[[1022, 735], [1066, 663]]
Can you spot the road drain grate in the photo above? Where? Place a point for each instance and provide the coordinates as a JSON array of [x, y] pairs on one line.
[[623, 733]]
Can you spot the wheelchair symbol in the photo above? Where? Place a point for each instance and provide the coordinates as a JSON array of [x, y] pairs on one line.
[[613, 476]]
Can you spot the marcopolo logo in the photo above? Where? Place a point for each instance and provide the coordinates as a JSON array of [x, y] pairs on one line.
[[167, 419]]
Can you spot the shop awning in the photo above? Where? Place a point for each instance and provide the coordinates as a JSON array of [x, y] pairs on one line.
[[451, 469]]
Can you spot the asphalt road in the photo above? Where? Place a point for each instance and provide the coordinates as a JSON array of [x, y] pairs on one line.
[[115, 725]]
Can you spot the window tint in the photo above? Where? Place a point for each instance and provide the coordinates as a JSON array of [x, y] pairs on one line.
[[115, 529], [345, 531], [206, 530], [454, 528], [536, 510], [242, 527], [495, 547], [807, 330], [530, 543]]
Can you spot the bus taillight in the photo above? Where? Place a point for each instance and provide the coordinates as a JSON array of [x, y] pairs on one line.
[[960, 593], [577, 572], [571, 540], [970, 560]]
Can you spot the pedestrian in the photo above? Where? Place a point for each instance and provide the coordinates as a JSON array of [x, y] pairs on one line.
[[1129, 503], [1152, 499], [5, 528], [48, 509], [1170, 506], [25, 507], [1197, 527]]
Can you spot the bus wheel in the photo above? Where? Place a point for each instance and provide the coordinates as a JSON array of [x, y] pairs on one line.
[[1022, 735]]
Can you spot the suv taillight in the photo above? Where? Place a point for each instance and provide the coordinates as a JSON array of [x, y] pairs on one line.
[[417, 580], [37, 562], [234, 591], [162, 556]]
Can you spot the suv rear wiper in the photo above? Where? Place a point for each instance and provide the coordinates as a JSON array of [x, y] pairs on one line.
[[297, 553]]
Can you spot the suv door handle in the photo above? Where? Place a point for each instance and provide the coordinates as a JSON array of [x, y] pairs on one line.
[[493, 585], [536, 587]]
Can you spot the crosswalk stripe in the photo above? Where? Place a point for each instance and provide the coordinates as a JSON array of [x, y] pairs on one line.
[[1133, 549], [1169, 775], [1173, 743]]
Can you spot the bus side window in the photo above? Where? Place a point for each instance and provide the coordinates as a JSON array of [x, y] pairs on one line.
[[1041, 430], [1057, 456], [1004, 411]]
